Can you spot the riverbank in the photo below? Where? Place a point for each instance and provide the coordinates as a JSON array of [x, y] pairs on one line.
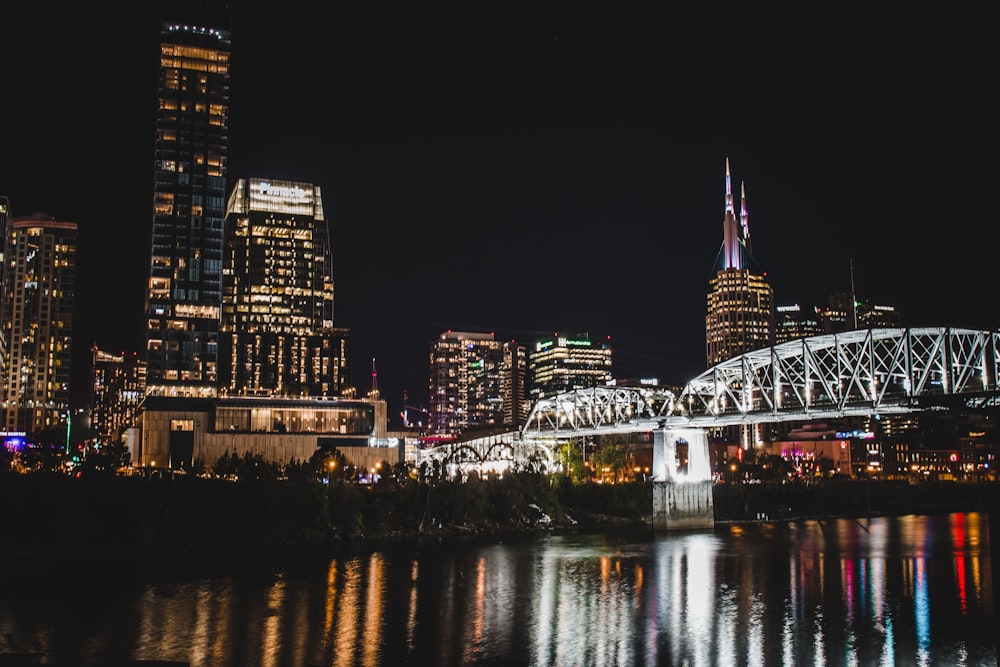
[[54, 522]]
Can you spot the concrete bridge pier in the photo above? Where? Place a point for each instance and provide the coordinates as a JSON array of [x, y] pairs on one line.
[[682, 502]]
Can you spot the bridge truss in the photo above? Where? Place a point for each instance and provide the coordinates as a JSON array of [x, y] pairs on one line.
[[862, 372], [856, 373]]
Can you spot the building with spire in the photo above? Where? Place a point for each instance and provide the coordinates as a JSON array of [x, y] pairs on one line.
[[741, 313]]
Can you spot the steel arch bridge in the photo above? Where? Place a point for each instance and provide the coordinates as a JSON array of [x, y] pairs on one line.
[[856, 373], [861, 372]]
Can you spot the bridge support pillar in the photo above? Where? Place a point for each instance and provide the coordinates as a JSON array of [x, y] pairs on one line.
[[682, 502]]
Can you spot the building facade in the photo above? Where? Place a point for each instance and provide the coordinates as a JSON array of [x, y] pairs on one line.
[[842, 313], [741, 312], [277, 335], [792, 322], [561, 363], [119, 386], [37, 317], [191, 434], [189, 199], [515, 400], [4, 214], [466, 383]]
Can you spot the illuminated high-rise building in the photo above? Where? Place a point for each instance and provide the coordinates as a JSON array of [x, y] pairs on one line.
[[189, 199], [4, 213], [741, 310], [119, 386], [515, 367], [39, 286], [559, 363], [466, 383], [277, 335]]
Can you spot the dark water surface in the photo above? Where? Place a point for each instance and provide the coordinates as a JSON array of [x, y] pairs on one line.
[[912, 590]]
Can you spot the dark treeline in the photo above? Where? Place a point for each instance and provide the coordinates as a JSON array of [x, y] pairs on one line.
[[52, 518]]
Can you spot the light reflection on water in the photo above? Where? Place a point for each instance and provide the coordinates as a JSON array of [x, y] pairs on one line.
[[908, 590]]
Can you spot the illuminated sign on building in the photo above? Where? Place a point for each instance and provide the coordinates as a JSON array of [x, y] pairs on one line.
[[276, 196], [292, 191], [861, 435]]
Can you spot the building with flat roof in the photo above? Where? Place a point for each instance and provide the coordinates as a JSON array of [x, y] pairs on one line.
[[184, 290], [37, 319], [186, 434], [562, 363]]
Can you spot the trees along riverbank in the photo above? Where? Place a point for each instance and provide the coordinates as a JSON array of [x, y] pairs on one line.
[[54, 518]]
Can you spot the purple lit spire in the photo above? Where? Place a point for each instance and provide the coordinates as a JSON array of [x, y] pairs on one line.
[[729, 191], [744, 218], [731, 257]]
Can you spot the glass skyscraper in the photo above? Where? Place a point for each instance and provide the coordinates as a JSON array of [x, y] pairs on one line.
[[189, 199], [277, 333]]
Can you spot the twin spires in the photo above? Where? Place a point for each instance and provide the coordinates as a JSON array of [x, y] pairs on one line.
[[736, 233]]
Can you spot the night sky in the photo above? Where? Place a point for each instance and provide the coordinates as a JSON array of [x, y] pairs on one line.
[[538, 172]]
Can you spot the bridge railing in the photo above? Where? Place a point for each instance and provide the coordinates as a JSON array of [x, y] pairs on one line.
[[859, 372]]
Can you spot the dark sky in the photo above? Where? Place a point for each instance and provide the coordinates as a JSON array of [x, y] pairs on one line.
[[539, 172]]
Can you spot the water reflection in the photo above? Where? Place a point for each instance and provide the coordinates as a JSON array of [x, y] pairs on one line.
[[909, 590]]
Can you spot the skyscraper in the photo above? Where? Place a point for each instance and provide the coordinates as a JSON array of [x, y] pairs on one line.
[[515, 368], [466, 383], [189, 198], [277, 332], [740, 315], [4, 318], [40, 281]]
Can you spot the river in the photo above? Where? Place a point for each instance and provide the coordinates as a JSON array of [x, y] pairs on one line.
[[911, 590]]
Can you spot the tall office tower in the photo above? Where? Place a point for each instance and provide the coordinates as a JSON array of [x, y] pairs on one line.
[[515, 403], [740, 301], [793, 322], [559, 364], [277, 336], [189, 199], [466, 383], [40, 277], [4, 213], [119, 386]]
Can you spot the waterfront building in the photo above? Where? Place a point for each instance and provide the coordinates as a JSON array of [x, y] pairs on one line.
[[467, 383], [37, 319], [514, 372], [189, 197], [119, 385], [193, 434], [277, 333], [562, 363], [741, 312]]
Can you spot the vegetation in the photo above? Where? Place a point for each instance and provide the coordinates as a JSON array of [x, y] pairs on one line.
[[244, 506]]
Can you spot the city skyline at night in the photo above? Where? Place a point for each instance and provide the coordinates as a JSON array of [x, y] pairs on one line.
[[526, 177]]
